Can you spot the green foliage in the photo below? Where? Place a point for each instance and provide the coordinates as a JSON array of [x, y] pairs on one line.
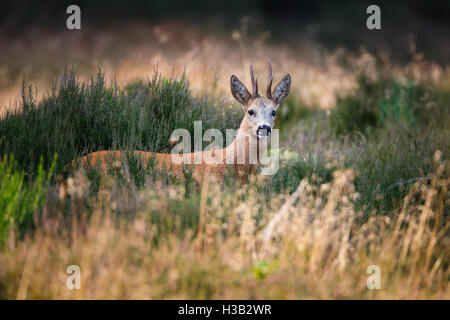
[[19, 200], [404, 123], [387, 170], [288, 177], [262, 268], [386, 101]]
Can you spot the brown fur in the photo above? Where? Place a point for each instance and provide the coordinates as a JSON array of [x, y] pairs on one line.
[[163, 161]]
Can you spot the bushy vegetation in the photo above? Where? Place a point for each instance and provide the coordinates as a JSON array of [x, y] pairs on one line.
[[390, 101], [20, 199], [404, 123], [393, 160]]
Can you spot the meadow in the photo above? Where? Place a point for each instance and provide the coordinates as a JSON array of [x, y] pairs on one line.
[[363, 178]]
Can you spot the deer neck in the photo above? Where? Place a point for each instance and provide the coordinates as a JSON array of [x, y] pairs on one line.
[[246, 147]]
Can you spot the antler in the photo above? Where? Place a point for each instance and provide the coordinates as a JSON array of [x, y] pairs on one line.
[[254, 83], [269, 83]]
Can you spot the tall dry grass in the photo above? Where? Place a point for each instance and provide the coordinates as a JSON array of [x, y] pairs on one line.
[[310, 244]]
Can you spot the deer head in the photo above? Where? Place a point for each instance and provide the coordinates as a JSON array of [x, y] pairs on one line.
[[260, 112]]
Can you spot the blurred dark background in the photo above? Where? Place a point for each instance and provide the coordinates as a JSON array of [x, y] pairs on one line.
[[333, 23]]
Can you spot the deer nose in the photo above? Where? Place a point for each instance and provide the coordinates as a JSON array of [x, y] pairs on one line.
[[264, 130]]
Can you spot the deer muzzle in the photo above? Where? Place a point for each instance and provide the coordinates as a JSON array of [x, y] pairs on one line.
[[264, 131]]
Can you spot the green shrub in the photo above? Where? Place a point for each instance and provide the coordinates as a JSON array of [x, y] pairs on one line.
[[19, 200], [392, 161], [289, 175], [386, 101]]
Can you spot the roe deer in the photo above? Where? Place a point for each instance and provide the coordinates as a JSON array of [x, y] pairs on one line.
[[254, 130]]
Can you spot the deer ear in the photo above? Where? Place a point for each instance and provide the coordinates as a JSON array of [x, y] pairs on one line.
[[239, 91], [282, 89]]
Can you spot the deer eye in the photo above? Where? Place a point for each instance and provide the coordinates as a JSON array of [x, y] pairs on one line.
[[251, 112], [274, 113]]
